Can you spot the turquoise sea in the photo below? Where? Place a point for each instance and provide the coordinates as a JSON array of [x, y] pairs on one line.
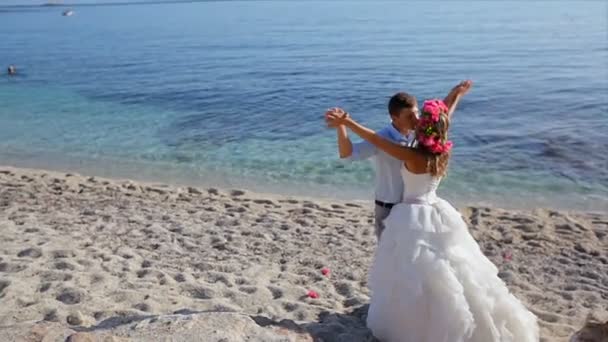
[[232, 93]]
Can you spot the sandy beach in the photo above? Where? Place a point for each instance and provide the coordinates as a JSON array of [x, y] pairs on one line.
[[82, 253]]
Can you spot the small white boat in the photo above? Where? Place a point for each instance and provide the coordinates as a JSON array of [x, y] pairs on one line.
[[68, 13], [53, 3]]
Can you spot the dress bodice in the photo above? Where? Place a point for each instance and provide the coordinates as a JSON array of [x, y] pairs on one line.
[[419, 187]]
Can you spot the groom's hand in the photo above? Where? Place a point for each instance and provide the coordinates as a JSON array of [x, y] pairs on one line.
[[334, 117], [334, 110]]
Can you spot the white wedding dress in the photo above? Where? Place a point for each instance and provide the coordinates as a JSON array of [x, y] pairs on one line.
[[430, 281]]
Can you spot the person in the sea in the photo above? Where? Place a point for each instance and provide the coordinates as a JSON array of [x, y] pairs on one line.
[[430, 281], [402, 110], [12, 70]]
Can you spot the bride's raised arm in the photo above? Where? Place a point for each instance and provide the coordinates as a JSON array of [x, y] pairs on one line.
[[395, 150], [454, 96]]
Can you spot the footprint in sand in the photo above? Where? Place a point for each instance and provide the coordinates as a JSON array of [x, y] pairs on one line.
[[546, 316], [99, 315], [143, 307], [84, 262], [564, 229], [62, 253], [527, 228], [63, 265], [69, 296], [214, 277], [225, 308], [180, 278], [521, 220], [248, 289], [345, 289], [264, 201], [30, 253], [44, 287], [55, 276], [24, 302], [242, 281], [143, 273], [229, 294], [3, 285], [276, 292], [237, 193], [11, 268], [51, 316], [290, 307], [353, 301], [200, 292]]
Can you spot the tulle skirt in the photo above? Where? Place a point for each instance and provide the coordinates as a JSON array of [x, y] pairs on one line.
[[430, 282]]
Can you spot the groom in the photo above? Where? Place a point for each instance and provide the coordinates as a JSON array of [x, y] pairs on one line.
[[403, 112]]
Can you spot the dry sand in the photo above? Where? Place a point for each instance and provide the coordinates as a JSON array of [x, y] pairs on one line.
[[84, 252]]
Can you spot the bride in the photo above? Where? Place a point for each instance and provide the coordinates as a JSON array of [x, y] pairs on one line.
[[430, 281]]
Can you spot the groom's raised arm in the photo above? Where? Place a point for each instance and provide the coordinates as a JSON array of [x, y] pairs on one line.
[[371, 137], [345, 146]]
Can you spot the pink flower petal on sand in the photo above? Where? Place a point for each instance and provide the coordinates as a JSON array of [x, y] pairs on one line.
[[312, 294], [325, 271], [507, 256]]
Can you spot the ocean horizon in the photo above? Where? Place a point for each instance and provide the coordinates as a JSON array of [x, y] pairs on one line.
[[232, 93]]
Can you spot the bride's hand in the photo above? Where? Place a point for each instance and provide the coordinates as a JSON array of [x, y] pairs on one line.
[[463, 87]]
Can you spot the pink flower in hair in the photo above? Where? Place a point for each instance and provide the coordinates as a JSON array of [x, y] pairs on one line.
[[442, 106], [437, 148], [429, 103], [428, 141], [432, 109], [427, 130], [424, 122], [441, 147]]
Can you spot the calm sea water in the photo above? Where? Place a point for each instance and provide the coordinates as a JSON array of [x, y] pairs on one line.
[[232, 93]]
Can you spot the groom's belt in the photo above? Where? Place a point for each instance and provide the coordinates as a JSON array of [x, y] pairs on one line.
[[384, 204]]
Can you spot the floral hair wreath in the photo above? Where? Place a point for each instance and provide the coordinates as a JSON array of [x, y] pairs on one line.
[[427, 132]]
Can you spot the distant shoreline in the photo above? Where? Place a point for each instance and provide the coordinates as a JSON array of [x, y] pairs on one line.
[[130, 3]]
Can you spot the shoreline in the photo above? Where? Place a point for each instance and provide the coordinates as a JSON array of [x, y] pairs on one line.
[[79, 250], [167, 173]]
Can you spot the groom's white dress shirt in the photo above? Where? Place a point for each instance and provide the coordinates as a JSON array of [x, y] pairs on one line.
[[389, 183]]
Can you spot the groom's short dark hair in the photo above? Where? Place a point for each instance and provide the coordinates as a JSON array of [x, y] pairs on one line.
[[400, 101]]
